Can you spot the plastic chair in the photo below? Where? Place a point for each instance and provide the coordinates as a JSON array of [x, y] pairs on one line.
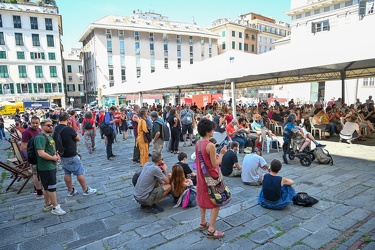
[[266, 141], [314, 129]]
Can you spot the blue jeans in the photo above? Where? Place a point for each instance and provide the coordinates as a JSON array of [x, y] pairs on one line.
[[287, 194], [333, 128], [72, 165], [2, 133], [241, 140], [110, 139]]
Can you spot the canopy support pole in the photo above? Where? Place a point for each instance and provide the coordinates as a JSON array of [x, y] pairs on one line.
[[343, 76], [233, 89], [140, 99]]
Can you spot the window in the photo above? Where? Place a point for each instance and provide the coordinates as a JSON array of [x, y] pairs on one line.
[[152, 63], [39, 71], [179, 63], [252, 48], [191, 51], [223, 45], [233, 33], [138, 61], [178, 39], [19, 39], [138, 72], [299, 16], [136, 35], [307, 13], [80, 69], [246, 47], [165, 49], [3, 55], [122, 61], [166, 63], [50, 41], [17, 22], [240, 34], [110, 61], [69, 68], [1, 21], [53, 71], [178, 50], [151, 37], [223, 33], [191, 40], [34, 23], [253, 37], [191, 61], [152, 49], [233, 45], [137, 48], [48, 23], [336, 6], [48, 87], [320, 26], [51, 56], [316, 12], [109, 46], [22, 71], [4, 71], [2, 41], [23, 88], [240, 46], [121, 35], [35, 38], [37, 55], [110, 74], [81, 87], [122, 47], [202, 41], [20, 55], [368, 82], [70, 78], [326, 9], [165, 38], [347, 4], [71, 87], [123, 75], [108, 34]]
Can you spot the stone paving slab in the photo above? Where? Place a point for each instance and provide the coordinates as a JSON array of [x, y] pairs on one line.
[[111, 219]]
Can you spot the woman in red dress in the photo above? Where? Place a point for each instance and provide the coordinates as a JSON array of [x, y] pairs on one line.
[[206, 130]]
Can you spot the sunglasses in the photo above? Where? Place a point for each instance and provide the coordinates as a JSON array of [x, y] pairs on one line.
[[48, 125]]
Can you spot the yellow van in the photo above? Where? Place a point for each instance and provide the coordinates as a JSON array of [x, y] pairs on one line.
[[11, 108]]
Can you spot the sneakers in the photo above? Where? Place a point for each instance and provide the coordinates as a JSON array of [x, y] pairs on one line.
[[152, 209], [47, 208], [111, 158], [72, 193], [57, 210], [89, 191], [158, 208], [320, 145], [39, 196]]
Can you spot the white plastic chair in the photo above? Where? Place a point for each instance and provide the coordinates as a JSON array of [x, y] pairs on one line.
[[266, 141], [314, 129]]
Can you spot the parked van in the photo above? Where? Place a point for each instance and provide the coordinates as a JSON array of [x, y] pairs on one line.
[[8, 108]]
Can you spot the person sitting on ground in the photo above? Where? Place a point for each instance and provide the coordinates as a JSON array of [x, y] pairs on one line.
[[189, 174], [277, 192], [250, 166], [152, 184], [178, 182], [229, 164]]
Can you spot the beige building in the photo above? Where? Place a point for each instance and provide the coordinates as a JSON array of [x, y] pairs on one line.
[[75, 91], [118, 50]]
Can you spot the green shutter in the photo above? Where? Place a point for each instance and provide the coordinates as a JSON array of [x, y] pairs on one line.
[[43, 57], [1, 89], [48, 87], [30, 87], [32, 55], [35, 87], [60, 87], [19, 88], [11, 86]]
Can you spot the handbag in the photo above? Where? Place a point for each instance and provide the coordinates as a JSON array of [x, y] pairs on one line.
[[218, 191], [147, 137], [303, 199]]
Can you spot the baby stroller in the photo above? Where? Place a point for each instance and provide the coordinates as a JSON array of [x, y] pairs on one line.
[[291, 147]]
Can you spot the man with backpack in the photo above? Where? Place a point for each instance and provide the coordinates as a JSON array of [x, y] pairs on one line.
[[157, 133], [27, 135], [47, 158], [66, 138], [188, 123]]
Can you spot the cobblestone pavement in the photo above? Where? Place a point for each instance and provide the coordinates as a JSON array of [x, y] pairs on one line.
[[344, 218]]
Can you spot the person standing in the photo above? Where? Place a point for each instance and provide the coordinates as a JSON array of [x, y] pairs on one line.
[[89, 131], [157, 133], [29, 133], [100, 119], [206, 130], [70, 160], [135, 120], [188, 123], [142, 129], [110, 121], [2, 132], [46, 165], [175, 126]]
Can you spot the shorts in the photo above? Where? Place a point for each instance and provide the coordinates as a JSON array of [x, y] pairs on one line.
[[34, 170], [154, 196], [48, 179], [72, 165], [188, 127]]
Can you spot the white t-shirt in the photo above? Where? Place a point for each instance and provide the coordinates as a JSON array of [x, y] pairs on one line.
[[251, 164], [349, 128]]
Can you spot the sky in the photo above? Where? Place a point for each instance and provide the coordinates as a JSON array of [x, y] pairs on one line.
[[78, 14]]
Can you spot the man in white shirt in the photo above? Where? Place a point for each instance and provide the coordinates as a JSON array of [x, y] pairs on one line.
[[250, 166]]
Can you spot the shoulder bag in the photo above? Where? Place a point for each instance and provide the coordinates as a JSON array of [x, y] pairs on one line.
[[219, 192]]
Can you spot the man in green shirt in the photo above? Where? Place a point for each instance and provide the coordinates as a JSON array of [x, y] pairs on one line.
[[46, 165]]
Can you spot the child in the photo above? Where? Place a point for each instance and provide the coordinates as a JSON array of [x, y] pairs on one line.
[[189, 174]]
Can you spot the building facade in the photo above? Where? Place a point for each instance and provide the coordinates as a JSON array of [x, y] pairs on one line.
[[75, 90], [30, 53], [118, 50], [312, 18]]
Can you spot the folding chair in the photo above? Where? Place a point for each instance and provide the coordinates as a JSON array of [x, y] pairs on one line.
[[18, 156], [314, 129], [19, 172]]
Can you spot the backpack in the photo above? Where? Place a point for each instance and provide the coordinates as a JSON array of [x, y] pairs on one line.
[[187, 116], [135, 178], [87, 125], [189, 198], [166, 134], [58, 141], [323, 156], [303, 199], [32, 155], [105, 128]]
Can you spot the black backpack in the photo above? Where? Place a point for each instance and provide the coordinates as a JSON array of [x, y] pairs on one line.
[[87, 125], [105, 128], [58, 141], [32, 155]]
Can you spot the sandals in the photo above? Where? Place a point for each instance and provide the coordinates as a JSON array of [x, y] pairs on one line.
[[204, 226], [215, 234], [191, 144]]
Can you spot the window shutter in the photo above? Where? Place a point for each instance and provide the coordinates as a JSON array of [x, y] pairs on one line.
[[32, 55], [30, 87], [35, 88], [11, 86], [43, 56], [19, 88], [313, 28], [1, 89], [60, 87]]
